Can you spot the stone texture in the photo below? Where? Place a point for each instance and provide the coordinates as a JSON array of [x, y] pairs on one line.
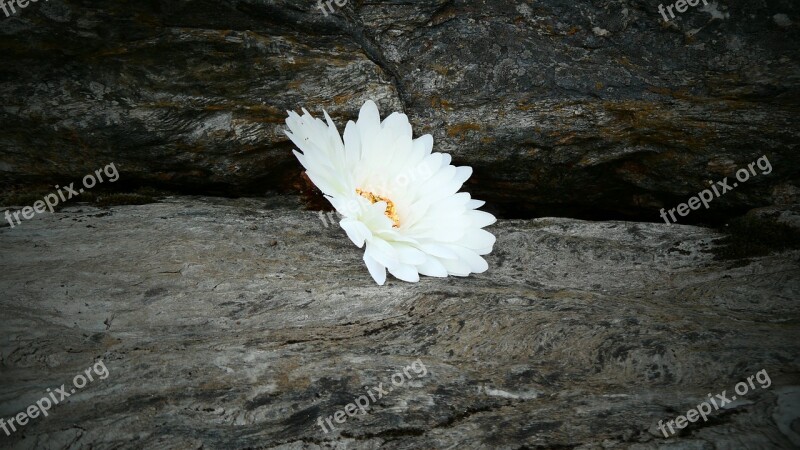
[[236, 323], [588, 109]]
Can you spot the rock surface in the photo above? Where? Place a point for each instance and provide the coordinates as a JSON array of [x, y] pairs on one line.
[[236, 324], [585, 109]]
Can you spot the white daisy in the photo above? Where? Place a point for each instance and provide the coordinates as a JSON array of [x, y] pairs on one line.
[[395, 195]]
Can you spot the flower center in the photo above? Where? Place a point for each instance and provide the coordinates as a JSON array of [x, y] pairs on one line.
[[390, 212]]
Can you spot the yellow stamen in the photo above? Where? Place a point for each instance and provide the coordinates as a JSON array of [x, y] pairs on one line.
[[390, 212]]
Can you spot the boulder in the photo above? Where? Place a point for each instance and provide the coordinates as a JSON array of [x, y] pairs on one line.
[[217, 323]]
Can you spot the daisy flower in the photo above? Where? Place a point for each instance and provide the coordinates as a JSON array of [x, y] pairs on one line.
[[394, 195]]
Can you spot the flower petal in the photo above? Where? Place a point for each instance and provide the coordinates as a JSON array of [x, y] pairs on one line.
[[476, 263], [475, 204], [480, 219], [369, 121], [456, 267], [439, 251], [475, 239], [405, 272], [352, 144], [410, 255], [356, 231], [382, 251], [432, 268], [376, 269]]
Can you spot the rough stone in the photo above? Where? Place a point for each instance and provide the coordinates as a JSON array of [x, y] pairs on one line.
[[237, 323], [588, 109]]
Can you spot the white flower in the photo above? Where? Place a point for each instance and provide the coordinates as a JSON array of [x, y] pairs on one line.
[[395, 195]]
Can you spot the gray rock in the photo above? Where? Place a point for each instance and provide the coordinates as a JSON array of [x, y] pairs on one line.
[[590, 109], [225, 324]]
